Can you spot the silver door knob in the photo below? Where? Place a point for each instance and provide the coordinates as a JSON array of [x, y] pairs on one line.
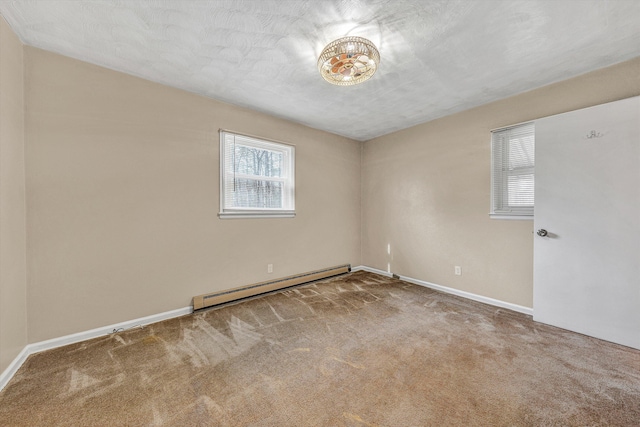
[[542, 232]]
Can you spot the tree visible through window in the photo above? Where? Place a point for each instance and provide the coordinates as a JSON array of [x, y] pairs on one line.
[[250, 192], [257, 177]]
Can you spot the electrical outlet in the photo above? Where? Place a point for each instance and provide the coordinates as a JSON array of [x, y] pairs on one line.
[[457, 270], [269, 268]]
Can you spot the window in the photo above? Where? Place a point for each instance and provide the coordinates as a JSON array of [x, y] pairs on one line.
[[512, 172], [256, 177]]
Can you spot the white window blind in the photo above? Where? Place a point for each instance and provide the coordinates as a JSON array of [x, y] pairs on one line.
[[512, 171], [257, 177]]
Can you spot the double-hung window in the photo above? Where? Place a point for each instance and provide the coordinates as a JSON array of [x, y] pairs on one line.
[[512, 172], [257, 177]]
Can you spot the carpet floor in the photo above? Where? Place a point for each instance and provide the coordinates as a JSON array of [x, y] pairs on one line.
[[356, 350]]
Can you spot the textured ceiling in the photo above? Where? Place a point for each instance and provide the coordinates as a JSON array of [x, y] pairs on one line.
[[438, 56]]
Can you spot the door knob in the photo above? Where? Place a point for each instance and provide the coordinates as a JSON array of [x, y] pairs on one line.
[[542, 232]]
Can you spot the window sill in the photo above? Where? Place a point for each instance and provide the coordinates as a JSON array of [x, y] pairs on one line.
[[511, 217], [242, 215]]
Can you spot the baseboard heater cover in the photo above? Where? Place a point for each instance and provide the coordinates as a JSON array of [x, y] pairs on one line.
[[208, 300]]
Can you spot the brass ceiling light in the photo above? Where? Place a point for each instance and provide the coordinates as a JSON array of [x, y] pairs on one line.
[[348, 61]]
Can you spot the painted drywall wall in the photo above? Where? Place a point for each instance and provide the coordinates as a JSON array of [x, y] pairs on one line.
[[123, 196], [13, 303], [426, 190]]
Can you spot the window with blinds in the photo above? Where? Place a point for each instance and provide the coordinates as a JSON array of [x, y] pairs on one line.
[[512, 171], [256, 177]]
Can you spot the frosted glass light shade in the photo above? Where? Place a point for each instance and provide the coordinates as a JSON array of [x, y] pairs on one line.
[[348, 61]]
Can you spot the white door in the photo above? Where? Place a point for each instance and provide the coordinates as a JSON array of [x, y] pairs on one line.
[[587, 189]]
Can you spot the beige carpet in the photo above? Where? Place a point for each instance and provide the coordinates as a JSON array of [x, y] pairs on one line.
[[357, 350]]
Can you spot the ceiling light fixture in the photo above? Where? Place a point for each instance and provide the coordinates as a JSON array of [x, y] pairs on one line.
[[348, 61]]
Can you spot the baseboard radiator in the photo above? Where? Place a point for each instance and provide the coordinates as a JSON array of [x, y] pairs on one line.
[[208, 300]]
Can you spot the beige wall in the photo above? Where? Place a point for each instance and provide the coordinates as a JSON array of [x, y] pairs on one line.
[[13, 308], [122, 198], [425, 191]]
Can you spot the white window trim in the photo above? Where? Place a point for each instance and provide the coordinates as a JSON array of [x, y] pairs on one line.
[[511, 217], [512, 213], [240, 213]]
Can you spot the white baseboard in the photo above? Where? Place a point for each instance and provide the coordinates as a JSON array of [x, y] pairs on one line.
[[13, 367], [37, 347], [445, 289], [371, 270]]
